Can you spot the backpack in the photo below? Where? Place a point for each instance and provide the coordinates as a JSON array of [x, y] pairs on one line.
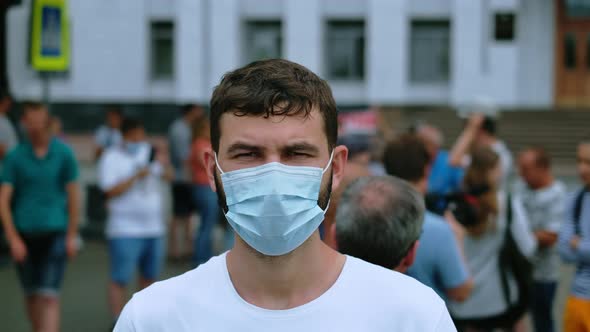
[[512, 260]]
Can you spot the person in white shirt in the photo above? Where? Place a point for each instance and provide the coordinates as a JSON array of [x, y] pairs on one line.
[[109, 134], [273, 165], [8, 137], [129, 175], [544, 199]]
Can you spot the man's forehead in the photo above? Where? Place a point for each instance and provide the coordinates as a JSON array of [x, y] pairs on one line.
[[527, 156], [299, 128], [584, 148]]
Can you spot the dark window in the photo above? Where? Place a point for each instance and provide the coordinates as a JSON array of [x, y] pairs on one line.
[[263, 40], [504, 24], [162, 52], [345, 50], [577, 8], [569, 53], [429, 51]]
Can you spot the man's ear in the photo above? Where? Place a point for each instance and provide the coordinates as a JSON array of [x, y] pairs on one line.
[[210, 167], [338, 165], [408, 261]]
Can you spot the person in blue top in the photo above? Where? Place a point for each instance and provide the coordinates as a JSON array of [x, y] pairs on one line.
[[439, 260], [444, 177], [39, 211], [574, 246]]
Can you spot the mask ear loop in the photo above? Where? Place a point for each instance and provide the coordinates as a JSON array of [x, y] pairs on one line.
[[217, 164], [327, 166], [323, 172]]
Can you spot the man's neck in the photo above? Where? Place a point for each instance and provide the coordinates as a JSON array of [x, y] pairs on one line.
[[421, 186], [279, 283], [39, 140], [40, 143]]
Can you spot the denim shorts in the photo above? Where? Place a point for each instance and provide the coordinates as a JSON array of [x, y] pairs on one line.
[[128, 254], [43, 269]]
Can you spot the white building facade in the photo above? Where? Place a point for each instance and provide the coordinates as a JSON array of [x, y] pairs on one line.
[[373, 52]]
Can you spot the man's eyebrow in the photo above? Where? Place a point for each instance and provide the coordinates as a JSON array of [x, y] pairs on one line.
[[242, 146], [302, 146]]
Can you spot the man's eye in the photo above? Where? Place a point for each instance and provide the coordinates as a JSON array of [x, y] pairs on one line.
[[247, 155], [296, 154]]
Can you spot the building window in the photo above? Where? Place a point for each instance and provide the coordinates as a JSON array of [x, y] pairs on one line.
[[429, 51], [569, 52], [345, 50], [162, 52], [504, 24], [577, 8], [263, 40]]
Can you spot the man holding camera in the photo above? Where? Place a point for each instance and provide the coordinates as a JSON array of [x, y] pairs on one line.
[[439, 260], [129, 176]]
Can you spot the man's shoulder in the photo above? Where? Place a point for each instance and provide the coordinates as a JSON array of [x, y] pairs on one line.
[[172, 291], [394, 295], [62, 147], [17, 151], [435, 225], [399, 288], [559, 188]]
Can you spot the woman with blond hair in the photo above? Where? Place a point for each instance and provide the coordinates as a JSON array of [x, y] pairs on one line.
[[496, 299]]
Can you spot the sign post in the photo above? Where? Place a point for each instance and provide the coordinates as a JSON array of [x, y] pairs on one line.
[[50, 44]]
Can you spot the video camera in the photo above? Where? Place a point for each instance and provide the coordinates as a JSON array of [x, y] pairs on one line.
[[463, 204]]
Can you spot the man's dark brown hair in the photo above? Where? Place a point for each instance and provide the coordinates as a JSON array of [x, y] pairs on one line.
[[32, 105], [406, 157], [274, 87]]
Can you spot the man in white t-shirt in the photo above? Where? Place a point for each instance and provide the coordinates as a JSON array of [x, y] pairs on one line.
[[129, 175], [544, 199], [273, 165]]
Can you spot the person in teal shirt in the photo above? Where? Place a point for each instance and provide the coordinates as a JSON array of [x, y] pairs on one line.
[[39, 211]]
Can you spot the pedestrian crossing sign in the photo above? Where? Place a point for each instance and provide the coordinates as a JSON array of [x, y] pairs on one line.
[[50, 49]]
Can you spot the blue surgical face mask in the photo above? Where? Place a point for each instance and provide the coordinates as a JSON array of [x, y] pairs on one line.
[[274, 207]]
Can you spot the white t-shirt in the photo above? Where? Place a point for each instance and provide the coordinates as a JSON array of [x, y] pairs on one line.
[[545, 209], [138, 212], [365, 297], [505, 161]]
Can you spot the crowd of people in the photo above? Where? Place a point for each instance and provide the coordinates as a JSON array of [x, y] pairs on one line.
[[320, 233]]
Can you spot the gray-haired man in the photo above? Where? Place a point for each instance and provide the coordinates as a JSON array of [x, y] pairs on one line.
[[379, 220]]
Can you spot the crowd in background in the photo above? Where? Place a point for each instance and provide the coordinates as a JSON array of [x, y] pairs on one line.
[[489, 247]]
